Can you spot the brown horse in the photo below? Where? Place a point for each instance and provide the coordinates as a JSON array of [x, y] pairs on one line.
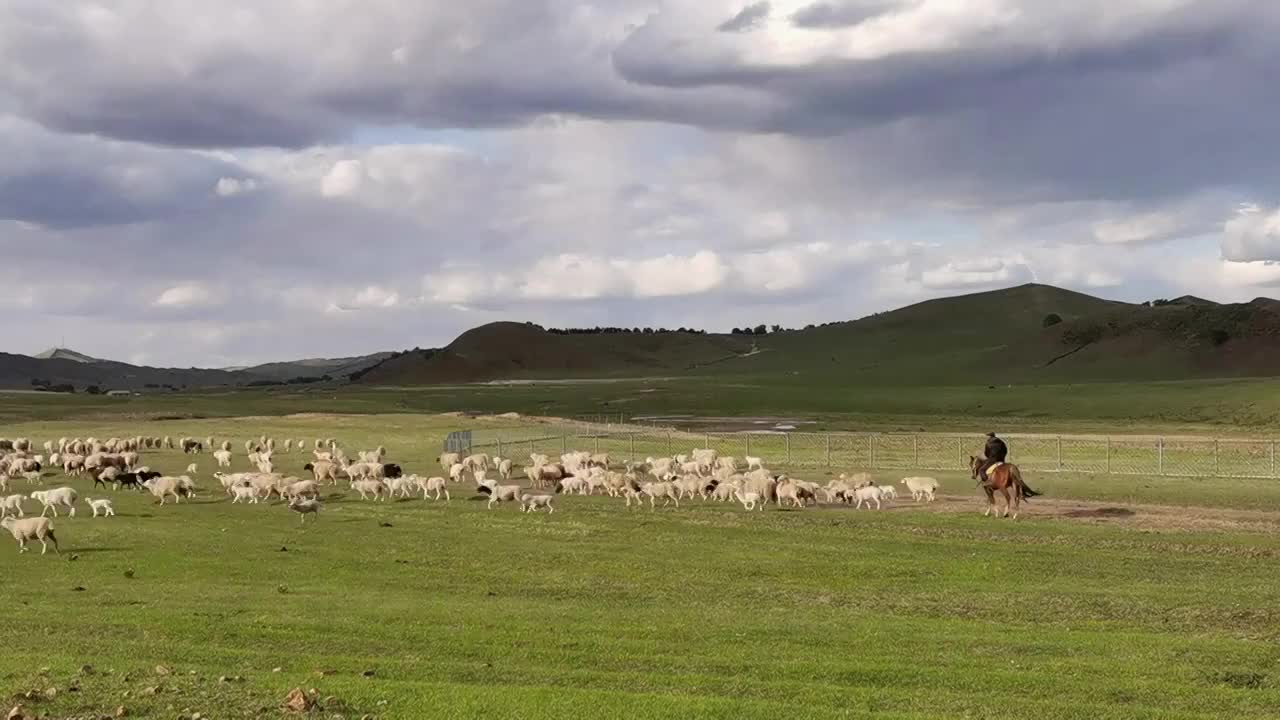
[[1002, 478]]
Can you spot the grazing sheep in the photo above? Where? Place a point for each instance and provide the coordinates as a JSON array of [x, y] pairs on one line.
[[102, 505], [191, 446], [432, 484], [504, 469], [302, 445], [456, 470], [305, 507], [36, 528], [4, 482], [867, 494], [226, 446], [478, 461], [223, 457], [921, 487], [51, 499], [193, 468], [530, 503], [12, 505], [288, 446], [750, 500]]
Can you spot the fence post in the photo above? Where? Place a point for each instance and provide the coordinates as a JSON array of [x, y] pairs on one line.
[[1059, 453], [788, 438], [871, 439], [668, 442], [915, 450], [597, 443], [632, 437], [959, 452], [499, 446], [564, 443], [706, 440], [1108, 454], [1215, 457], [1160, 456], [828, 436], [748, 443]]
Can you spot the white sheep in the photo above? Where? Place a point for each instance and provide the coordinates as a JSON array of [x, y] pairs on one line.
[[921, 487], [162, 487], [867, 494], [530, 503], [888, 492], [366, 487], [456, 470], [35, 528], [240, 492], [193, 468], [51, 499], [102, 505], [663, 489], [448, 460], [750, 500], [288, 446], [302, 489], [436, 485], [223, 457], [573, 485], [12, 505], [504, 469], [498, 493], [305, 507]]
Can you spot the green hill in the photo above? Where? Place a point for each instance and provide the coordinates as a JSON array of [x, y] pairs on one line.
[[992, 337]]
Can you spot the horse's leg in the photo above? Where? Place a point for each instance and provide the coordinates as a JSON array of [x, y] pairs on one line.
[[991, 500], [1017, 501], [1007, 502]]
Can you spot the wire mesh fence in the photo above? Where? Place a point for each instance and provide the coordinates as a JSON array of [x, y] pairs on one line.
[[1094, 454]]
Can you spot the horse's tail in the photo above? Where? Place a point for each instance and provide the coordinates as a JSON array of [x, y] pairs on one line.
[[1026, 492]]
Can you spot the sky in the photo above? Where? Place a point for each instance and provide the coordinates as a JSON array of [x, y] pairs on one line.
[[196, 183]]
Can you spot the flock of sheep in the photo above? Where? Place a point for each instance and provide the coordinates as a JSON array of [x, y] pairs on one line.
[[117, 463]]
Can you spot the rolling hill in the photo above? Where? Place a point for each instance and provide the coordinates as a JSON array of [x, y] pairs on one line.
[[1002, 336]]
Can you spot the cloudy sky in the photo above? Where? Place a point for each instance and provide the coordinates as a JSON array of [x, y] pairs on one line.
[[199, 183]]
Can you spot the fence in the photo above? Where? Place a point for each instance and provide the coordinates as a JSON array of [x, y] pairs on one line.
[[1116, 455]]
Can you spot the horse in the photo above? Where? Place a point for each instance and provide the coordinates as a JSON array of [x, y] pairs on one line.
[[1002, 477]]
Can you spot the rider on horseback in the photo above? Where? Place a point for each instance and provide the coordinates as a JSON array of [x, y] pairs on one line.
[[994, 453]]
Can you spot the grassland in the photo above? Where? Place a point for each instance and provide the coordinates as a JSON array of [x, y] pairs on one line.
[[1141, 604]]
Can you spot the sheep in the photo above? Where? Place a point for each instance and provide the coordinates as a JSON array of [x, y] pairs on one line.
[[226, 447], [727, 463], [689, 485], [366, 487], [51, 499], [300, 444], [750, 500], [433, 484], [571, 485], [191, 446], [497, 493], [455, 471], [530, 503], [888, 492], [858, 480], [538, 459], [106, 476], [162, 487], [288, 446], [72, 464], [661, 490], [223, 457], [504, 469], [36, 528], [193, 468], [601, 460], [401, 486], [4, 482], [305, 507], [921, 487], [478, 461], [102, 504], [243, 492], [724, 491], [323, 470], [867, 494], [302, 488], [660, 467], [12, 504], [838, 490], [788, 490]]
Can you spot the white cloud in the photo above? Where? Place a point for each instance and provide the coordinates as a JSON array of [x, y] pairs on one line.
[[1253, 234], [343, 179], [962, 274], [230, 187], [184, 296]]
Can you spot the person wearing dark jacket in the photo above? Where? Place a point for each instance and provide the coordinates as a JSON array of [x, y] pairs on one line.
[[995, 452]]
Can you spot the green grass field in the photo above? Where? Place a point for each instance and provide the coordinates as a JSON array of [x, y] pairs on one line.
[[597, 611]]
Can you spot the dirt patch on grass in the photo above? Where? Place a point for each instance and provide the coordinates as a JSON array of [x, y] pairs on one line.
[[1154, 517]]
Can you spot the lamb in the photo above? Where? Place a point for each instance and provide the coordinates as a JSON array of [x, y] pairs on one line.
[[888, 492], [102, 504], [432, 484], [456, 470], [51, 499], [36, 528], [12, 505], [304, 508], [867, 494], [223, 457], [530, 503], [302, 488], [193, 468], [288, 446], [571, 485], [301, 444], [921, 487], [401, 486], [750, 500], [504, 469]]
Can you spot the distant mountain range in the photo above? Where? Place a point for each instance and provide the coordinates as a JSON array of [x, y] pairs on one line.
[[63, 366], [1026, 334]]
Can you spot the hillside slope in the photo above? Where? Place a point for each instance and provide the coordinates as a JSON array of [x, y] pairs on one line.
[[990, 338], [508, 350]]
